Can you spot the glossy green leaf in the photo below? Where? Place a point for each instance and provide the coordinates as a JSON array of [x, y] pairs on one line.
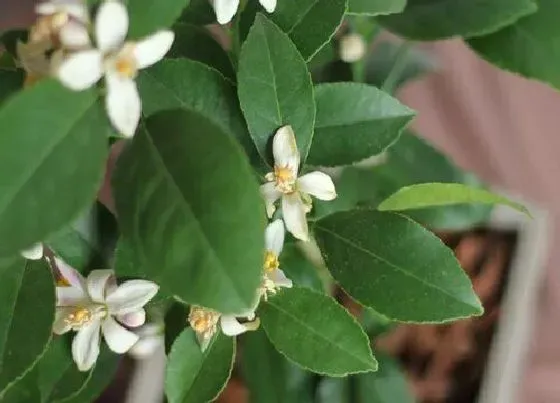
[[10, 82], [196, 43], [439, 19], [394, 265], [46, 130], [529, 47], [315, 332], [27, 301], [443, 194], [299, 269], [149, 16], [354, 121], [274, 87], [376, 7], [192, 376], [189, 204]]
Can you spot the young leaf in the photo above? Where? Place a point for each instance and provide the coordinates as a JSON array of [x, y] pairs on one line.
[[192, 376], [528, 47], [315, 332], [376, 7], [354, 121], [395, 266], [10, 82], [443, 194], [274, 87], [46, 130], [148, 16], [189, 204], [27, 301], [431, 20]]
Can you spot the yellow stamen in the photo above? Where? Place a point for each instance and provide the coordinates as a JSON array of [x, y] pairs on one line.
[[79, 317], [126, 67], [271, 262], [285, 179], [203, 321], [62, 282]]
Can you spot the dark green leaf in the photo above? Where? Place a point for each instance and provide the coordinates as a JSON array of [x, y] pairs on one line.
[[530, 47], [27, 302], [376, 7], [395, 266], [315, 332], [198, 12], [175, 322], [354, 121], [9, 40], [192, 376], [53, 143], [275, 87], [189, 205], [10, 82], [439, 19], [299, 269], [333, 72], [148, 16]]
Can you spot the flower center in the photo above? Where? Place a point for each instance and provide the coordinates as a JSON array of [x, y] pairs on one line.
[[203, 321], [79, 317], [126, 67], [271, 262], [285, 179]]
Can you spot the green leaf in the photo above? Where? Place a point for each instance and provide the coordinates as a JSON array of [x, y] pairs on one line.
[[149, 16], [529, 47], [376, 7], [388, 385], [439, 19], [189, 205], [299, 269], [443, 194], [274, 87], [196, 43], [192, 376], [198, 12], [46, 130], [27, 301], [10, 82], [392, 264], [354, 121], [315, 332], [9, 40]]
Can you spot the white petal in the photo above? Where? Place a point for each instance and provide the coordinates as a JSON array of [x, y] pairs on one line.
[[97, 284], [352, 47], [269, 5], [317, 184], [33, 253], [60, 326], [80, 70], [123, 104], [74, 35], [71, 275], [270, 194], [225, 10], [117, 337], [284, 148], [279, 279], [74, 8], [111, 25], [293, 210], [151, 50], [274, 237], [85, 346], [231, 327], [131, 296], [70, 296], [133, 319]]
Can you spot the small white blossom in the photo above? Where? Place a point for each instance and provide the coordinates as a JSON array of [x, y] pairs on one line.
[[204, 322], [118, 61], [273, 277], [352, 47], [283, 183], [226, 9], [34, 252], [94, 305]]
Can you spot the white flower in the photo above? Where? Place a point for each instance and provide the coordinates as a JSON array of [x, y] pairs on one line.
[[118, 61], [273, 277], [204, 322], [226, 9], [284, 183], [97, 305], [34, 252], [352, 48]]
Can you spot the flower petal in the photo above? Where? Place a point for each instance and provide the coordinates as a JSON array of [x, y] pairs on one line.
[[80, 70], [270, 194], [35, 252], [71, 275], [131, 296], [317, 184], [151, 50], [293, 210], [117, 337], [269, 5], [133, 319], [60, 326], [111, 25], [97, 284], [74, 8], [279, 279], [232, 327], [85, 346], [225, 10], [284, 148], [123, 104], [74, 35], [70, 296], [274, 237]]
